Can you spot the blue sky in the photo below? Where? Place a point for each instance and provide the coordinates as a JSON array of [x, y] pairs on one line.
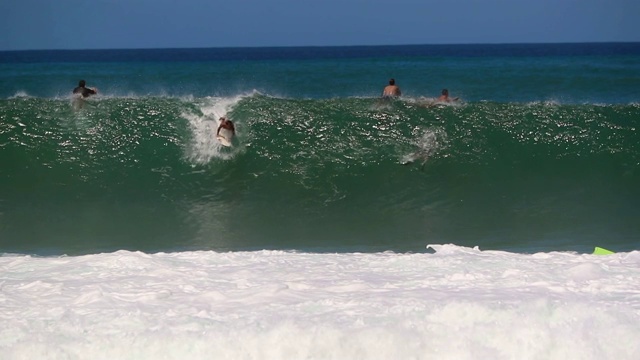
[[108, 24]]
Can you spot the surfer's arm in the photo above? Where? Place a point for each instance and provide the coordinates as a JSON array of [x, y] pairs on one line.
[[218, 132]]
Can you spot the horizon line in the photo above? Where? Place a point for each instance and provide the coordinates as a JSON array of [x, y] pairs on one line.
[[325, 46]]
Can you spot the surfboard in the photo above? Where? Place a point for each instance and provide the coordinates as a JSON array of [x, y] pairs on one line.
[[225, 137], [602, 251]]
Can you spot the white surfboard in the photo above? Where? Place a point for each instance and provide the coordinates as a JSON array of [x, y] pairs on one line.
[[225, 137]]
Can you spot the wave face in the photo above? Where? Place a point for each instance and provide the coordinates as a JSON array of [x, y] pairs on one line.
[[338, 174]]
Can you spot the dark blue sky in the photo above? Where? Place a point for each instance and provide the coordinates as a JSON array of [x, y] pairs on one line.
[[106, 24]]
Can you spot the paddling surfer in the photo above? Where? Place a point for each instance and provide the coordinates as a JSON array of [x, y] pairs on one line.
[[445, 97], [392, 90], [84, 91], [226, 124]]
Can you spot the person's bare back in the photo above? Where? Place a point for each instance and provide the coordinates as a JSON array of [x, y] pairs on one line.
[[391, 90], [445, 96]]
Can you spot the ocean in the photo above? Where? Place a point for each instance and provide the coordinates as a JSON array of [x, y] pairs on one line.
[[339, 225]]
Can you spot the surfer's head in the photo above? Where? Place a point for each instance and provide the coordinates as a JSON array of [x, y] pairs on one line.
[[445, 92], [82, 83], [392, 81]]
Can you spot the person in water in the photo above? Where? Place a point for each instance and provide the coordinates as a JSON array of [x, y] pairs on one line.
[[226, 124], [83, 90], [391, 90], [445, 96]]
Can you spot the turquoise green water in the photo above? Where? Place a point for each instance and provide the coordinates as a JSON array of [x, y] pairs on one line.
[[318, 173], [316, 169]]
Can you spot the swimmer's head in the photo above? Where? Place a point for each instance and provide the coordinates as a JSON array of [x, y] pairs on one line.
[[445, 92], [82, 83], [392, 81]]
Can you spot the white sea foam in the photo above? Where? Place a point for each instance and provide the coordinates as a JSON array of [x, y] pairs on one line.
[[19, 94], [430, 141], [458, 303]]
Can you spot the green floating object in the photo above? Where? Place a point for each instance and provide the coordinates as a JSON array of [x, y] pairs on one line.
[[601, 251]]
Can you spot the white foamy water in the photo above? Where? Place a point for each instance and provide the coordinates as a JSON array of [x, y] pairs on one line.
[[458, 303]]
